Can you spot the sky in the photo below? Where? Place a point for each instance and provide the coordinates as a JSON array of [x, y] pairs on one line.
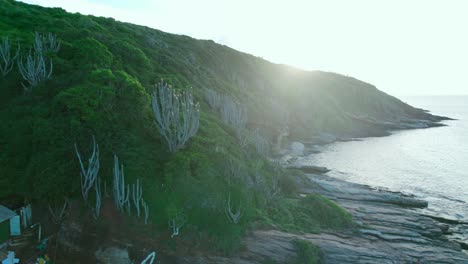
[[417, 47]]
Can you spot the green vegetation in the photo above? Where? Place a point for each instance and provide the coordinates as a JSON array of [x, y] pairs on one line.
[[307, 253], [309, 214], [101, 84]]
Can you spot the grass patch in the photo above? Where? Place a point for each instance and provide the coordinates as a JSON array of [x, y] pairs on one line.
[[308, 214], [327, 213], [307, 253]]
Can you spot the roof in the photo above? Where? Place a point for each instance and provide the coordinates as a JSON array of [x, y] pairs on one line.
[[5, 213]]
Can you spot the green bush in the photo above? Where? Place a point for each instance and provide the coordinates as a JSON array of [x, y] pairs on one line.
[[325, 212], [307, 253], [92, 54], [308, 214]]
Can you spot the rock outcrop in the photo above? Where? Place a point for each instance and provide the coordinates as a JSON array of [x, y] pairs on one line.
[[113, 255], [389, 231], [309, 168]]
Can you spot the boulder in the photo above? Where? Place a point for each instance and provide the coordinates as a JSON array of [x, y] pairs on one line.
[[297, 148]]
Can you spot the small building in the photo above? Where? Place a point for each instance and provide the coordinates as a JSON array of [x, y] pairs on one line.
[[7, 219]]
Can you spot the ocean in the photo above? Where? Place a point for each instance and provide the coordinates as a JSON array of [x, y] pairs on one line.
[[431, 164]]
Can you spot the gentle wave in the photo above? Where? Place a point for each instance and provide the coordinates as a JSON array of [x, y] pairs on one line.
[[428, 163]]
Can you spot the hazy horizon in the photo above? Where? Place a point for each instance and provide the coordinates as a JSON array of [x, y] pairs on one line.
[[403, 48]]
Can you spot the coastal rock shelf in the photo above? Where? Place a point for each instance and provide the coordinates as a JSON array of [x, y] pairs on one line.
[[389, 231]]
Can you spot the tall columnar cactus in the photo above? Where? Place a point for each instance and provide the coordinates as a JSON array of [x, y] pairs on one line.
[[176, 223], [145, 210], [234, 114], [176, 115], [234, 215], [231, 111], [149, 259], [137, 195], [261, 144], [97, 189], [7, 58], [258, 178], [34, 69], [46, 44], [281, 116], [90, 174], [121, 191], [214, 99]]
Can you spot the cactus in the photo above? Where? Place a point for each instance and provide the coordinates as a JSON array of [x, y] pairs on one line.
[[121, 191], [7, 60], [176, 115], [261, 144], [145, 210], [150, 258], [34, 70], [177, 222], [137, 196], [45, 44], [233, 114], [97, 189], [233, 216], [214, 99], [89, 175]]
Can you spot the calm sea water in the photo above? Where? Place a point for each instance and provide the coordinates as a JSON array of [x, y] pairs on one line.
[[429, 163]]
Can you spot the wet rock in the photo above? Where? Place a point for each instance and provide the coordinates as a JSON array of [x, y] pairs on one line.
[[297, 148], [464, 245], [286, 159], [338, 248], [390, 231], [309, 168], [113, 255], [323, 138], [446, 220], [336, 189]]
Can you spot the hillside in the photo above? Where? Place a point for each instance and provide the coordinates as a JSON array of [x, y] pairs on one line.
[[101, 85]]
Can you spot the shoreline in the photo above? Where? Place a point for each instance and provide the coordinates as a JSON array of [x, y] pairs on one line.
[[451, 228], [439, 121], [389, 227], [392, 218], [453, 232], [388, 230]]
